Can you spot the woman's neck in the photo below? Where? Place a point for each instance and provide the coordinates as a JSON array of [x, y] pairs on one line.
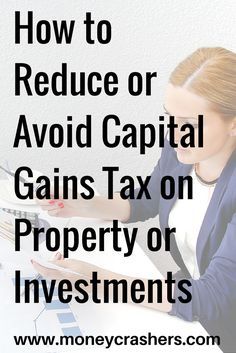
[[212, 168]]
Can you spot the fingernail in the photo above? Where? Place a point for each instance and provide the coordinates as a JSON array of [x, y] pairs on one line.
[[60, 204], [58, 256], [51, 202]]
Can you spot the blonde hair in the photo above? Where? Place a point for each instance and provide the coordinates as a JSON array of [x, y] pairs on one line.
[[211, 74]]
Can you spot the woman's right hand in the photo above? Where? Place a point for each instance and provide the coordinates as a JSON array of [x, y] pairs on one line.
[[98, 207], [60, 208]]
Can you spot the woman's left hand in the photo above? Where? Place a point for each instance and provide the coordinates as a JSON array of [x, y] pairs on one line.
[[83, 268]]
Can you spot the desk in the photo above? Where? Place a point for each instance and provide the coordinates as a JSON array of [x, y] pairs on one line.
[[114, 319]]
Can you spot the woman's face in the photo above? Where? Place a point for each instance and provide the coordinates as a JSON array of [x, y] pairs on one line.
[[185, 107]]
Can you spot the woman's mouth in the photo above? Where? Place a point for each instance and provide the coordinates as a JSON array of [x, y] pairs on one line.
[[182, 150]]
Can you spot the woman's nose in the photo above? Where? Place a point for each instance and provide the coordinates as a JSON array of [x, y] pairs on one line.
[[178, 134]]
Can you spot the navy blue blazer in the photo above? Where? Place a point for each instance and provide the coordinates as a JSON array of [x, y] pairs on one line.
[[214, 293]]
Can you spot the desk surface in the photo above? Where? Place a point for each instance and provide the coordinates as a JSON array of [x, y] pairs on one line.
[[115, 319]]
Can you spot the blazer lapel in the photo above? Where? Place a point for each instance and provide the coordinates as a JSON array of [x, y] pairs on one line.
[[165, 209], [209, 219], [210, 216]]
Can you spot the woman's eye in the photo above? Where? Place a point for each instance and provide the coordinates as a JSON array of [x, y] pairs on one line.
[[195, 126], [181, 122]]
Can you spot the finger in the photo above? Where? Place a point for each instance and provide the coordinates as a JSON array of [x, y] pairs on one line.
[[55, 208], [48, 207], [80, 267], [71, 264], [57, 256], [42, 202], [46, 272], [63, 263], [54, 211], [46, 204]]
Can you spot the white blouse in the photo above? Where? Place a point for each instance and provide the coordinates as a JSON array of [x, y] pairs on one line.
[[187, 217]]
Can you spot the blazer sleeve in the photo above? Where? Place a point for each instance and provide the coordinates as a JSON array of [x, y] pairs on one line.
[[143, 209], [214, 293]]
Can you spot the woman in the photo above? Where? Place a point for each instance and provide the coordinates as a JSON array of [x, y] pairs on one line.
[[205, 243]]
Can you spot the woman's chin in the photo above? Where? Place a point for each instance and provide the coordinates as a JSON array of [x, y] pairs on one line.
[[185, 156]]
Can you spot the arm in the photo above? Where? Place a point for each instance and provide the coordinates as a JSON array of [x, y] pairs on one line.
[[123, 210], [98, 207], [214, 293], [86, 270], [109, 209]]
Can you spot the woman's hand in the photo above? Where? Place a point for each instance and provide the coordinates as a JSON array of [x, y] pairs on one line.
[[60, 208], [84, 269], [97, 207]]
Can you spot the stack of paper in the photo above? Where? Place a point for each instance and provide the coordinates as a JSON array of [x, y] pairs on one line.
[[7, 226]]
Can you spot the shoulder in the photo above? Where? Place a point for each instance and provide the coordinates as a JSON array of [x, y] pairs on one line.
[[226, 192], [229, 177], [232, 189]]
